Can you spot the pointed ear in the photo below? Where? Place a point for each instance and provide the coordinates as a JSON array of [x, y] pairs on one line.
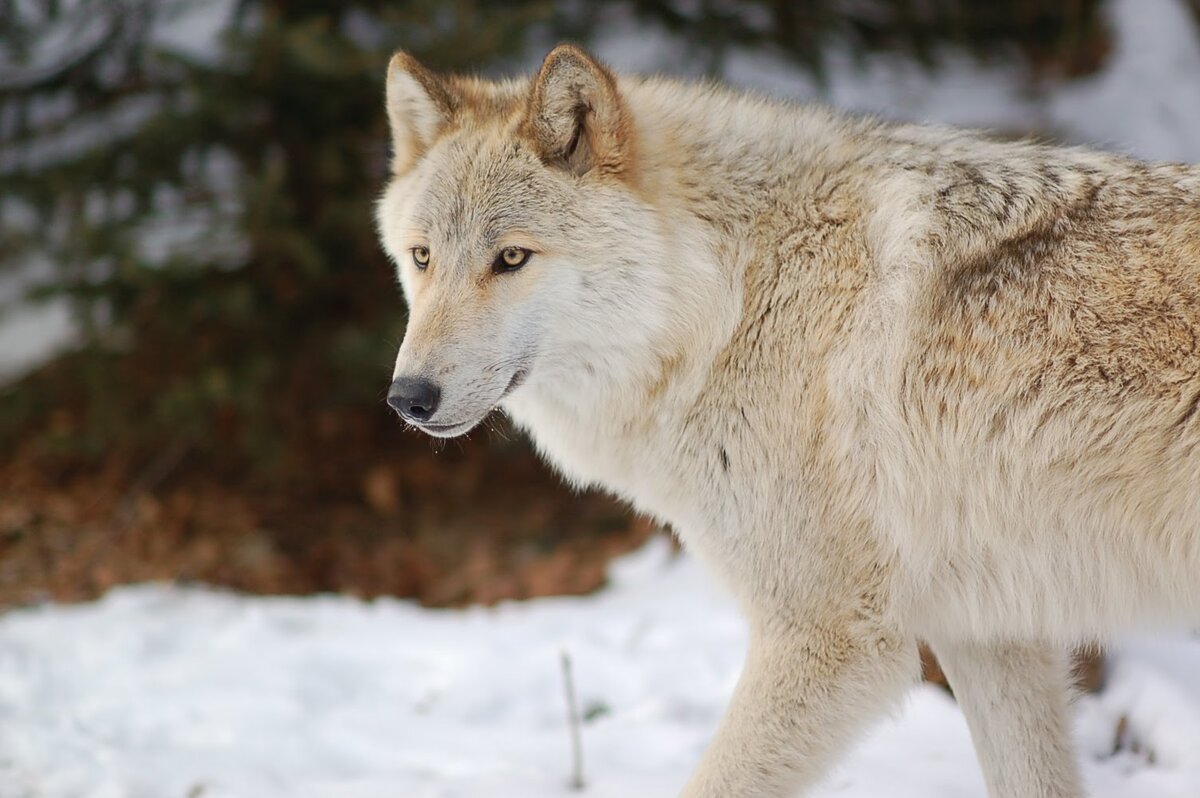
[[419, 105], [576, 117]]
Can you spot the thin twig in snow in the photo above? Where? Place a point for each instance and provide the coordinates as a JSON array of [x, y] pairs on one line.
[[573, 724]]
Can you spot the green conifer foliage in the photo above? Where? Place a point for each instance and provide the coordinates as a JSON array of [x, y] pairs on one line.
[[208, 214]]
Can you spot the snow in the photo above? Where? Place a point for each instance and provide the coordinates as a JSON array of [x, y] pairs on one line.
[[29, 334], [1144, 101], [158, 691], [32, 333], [194, 30], [1147, 100]]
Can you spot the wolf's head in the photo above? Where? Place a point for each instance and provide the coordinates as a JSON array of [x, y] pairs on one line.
[[523, 241]]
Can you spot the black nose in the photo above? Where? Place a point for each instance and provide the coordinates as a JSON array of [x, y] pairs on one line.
[[414, 398]]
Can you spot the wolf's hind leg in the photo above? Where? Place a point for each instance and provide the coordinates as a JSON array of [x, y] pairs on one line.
[[1015, 698], [805, 690]]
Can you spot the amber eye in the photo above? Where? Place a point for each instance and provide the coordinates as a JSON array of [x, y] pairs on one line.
[[510, 259], [420, 256]]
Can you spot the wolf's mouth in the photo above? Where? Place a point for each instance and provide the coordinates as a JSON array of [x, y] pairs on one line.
[[451, 430], [517, 378]]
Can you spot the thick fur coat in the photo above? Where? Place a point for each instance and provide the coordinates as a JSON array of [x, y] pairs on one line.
[[890, 383]]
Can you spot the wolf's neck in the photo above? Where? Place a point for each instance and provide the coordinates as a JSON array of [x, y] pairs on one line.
[[710, 165], [725, 156]]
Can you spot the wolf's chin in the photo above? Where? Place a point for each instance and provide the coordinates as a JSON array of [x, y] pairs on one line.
[[448, 430]]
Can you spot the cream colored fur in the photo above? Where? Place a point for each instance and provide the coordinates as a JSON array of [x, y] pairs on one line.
[[890, 383]]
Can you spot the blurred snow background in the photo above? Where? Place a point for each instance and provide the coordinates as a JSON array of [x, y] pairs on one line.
[[1145, 101]]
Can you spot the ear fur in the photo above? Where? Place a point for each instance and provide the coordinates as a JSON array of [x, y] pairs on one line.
[[419, 106], [576, 117]]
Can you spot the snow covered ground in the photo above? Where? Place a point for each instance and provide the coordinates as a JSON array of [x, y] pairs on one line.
[[160, 692]]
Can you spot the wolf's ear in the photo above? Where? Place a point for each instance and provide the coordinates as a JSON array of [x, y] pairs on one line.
[[576, 117], [419, 105]]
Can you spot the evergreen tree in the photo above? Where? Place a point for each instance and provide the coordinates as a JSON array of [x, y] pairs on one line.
[[207, 210]]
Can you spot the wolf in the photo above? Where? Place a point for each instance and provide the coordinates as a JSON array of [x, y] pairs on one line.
[[890, 383]]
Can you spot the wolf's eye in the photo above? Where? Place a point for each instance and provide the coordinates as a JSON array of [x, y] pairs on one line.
[[510, 259], [420, 256]]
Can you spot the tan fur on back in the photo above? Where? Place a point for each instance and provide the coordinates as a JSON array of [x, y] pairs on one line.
[[888, 382]]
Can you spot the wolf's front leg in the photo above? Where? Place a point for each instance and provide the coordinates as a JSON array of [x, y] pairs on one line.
[[1015, 698], [806, 688]]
